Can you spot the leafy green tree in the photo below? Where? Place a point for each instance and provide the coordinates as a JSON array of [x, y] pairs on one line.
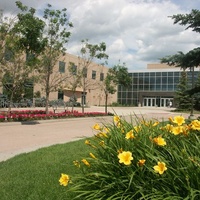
[[38, 44], [74, 81], [117, 75], [16, 73], [19, 40], [90, 53], [192, 58], [57, 35], [30, 30], [6, 25]]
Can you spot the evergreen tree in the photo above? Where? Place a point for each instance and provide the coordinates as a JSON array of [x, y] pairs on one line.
[[183, 99], [196, 93]]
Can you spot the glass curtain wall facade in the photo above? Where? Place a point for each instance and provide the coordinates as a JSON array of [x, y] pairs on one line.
[[152, 88]]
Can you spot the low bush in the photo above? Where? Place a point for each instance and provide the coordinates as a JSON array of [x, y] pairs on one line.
[[29, 115], [147, 160]]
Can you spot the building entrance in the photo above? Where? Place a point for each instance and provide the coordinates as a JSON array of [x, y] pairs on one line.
[[149, 102], [156, 101]]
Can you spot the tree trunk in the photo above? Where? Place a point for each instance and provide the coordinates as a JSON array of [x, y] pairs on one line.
[[9, 105], [47, 89], [47, 103], [106, 103], [83, 102]]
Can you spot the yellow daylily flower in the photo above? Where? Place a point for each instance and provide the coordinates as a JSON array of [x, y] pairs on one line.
[[118, 124], [146, 123], [86, 162], [96, 127], [179, 120], [120, 151], [195, 124], [103, 134], [64, 179], [130, 135], [137, 128], [122, 129], [171, 120], [92, 156], [106, 130], [160, 168], [87, 142], [159, 141], [141, 162], [185, 129], [116, 118], [155, 123], [76, 163], [168, 127], [102, 143], [125, 157], [177, 130]]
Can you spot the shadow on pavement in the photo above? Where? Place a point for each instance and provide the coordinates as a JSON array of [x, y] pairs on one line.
[[30, 122]]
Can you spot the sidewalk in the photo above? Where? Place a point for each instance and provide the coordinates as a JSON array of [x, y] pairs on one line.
[[17, 137]]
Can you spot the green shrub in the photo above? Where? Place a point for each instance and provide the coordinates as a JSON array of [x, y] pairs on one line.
[[140, 160]]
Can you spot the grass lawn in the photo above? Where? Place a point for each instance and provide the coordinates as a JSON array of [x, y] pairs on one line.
[[35, 175], [186, 111]]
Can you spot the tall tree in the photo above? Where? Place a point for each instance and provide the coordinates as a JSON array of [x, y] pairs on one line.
[[73, 82], [182, 97], [190, 20], [117, 75], [192, 58], [15, 66], [89, 54], [6, 25], [57, 36], [195, 92], [30, 30]]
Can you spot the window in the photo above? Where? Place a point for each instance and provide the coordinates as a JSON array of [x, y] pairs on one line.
[[30, 57], [61, 67], [177, 74], [8, 54], [73, 69], [152, 80], [170, 87], [170, 80], [158, 80], [60, 94], [101, 76], [119, 94], [164, 73], [164, 80], [164, 87], [93, 74]]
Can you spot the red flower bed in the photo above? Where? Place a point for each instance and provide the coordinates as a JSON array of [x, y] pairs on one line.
[[28, 115]]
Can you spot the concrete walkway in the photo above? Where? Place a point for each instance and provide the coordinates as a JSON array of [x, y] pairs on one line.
[[17, 137]]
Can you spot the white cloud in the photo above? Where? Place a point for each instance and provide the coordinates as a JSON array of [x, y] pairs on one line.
[[136, 32]]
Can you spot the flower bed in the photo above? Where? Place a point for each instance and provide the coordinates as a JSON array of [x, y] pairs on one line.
[[146, 160], [29, 115]]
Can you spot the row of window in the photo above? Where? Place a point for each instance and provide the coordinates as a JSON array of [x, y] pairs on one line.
[[9, 56], [156, 81], [151, 81], [73, 70]]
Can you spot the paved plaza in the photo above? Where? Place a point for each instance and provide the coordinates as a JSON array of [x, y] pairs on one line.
[[17, 137]]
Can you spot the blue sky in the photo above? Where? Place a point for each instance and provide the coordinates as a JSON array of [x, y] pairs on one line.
[[137, 32]]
